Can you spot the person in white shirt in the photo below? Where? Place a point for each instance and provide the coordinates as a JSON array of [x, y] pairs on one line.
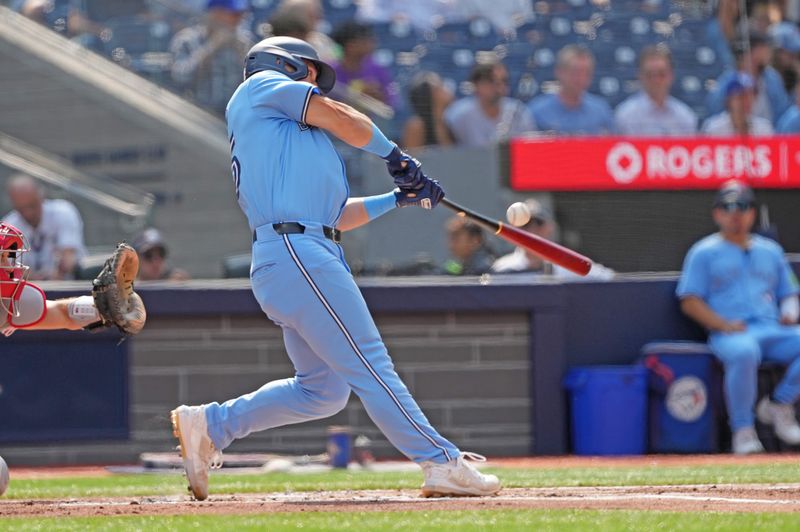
[[54, 229], [542, 223], [738, 118], [490, 115], [652, 111]]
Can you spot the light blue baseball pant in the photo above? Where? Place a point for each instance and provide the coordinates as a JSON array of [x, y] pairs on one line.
[[303, 284], [742, 352]]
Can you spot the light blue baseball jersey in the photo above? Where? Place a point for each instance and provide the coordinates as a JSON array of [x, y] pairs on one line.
[[283, 169], [288, 172], [738, 284]]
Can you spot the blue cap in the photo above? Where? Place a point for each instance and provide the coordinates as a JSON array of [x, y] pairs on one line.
[[738, 83], [734, 191], [230, 5]]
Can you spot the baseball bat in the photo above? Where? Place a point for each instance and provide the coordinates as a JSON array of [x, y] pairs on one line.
[[550, 251]]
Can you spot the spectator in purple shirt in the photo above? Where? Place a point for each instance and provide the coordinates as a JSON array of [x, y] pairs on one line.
[[357, 71]]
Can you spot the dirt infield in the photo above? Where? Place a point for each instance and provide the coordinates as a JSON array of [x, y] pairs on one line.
[[690, 498], [725, 498]]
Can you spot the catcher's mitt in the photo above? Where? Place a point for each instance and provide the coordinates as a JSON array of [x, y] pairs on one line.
[[113, 293]]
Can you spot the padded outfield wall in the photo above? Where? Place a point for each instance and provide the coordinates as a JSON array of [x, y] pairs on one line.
[[484, 359]]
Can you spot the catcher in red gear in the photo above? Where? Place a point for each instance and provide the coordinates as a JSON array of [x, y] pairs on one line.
[[23, 305]]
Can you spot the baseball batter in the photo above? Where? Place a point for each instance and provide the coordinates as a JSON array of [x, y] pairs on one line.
[[291, 184], [23, 305]]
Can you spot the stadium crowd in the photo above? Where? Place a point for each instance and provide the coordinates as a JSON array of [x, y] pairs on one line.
[[473, 73]]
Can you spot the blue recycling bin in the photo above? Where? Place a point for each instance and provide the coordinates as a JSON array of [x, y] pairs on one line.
[[608, 409], [685, 397]]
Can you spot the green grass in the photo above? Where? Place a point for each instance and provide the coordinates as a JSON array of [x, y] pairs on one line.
[[561, 520], [172, 484], [517, 519]]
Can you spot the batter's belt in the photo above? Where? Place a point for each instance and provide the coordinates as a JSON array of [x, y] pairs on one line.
[[289, 228]]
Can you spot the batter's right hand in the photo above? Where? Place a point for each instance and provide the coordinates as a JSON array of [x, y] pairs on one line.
[[405, 170], [426, 197]]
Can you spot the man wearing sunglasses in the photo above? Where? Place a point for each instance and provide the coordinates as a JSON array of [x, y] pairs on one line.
[[740, 287]]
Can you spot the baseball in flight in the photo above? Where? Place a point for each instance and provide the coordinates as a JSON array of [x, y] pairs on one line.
[[518, 214]]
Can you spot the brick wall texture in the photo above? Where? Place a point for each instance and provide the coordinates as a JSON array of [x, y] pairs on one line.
[[469, 372]]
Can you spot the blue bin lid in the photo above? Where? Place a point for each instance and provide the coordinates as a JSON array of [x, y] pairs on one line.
[[578, 375]]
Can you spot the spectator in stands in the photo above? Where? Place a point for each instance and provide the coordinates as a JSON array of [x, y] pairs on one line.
[[53, 227], [753, 57], [208, 56], [573, 110], [421, 14], [490, 115], [786, 52], [740, 287], [357, 70], [764, 15], [789, 123], [301, 19], [543, 224], [427, 15], [429, 97], [82, 20], [738, 119], [153, 266], [652, 111], [505, 15], [723, 29], [470, 255]]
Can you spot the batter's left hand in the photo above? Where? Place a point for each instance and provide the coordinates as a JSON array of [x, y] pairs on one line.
[[405, 170], [426, 197]]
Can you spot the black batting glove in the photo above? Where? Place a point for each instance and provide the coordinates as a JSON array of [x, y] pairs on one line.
[[427, 196], [405, 170]]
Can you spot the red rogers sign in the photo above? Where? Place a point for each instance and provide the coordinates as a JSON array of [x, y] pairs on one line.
[[618, 163]]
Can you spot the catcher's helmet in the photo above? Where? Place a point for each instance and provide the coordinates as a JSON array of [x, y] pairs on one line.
[[285, 55], [12, 272]]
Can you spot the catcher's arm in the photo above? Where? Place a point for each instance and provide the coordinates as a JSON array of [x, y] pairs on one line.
[[113, 302]]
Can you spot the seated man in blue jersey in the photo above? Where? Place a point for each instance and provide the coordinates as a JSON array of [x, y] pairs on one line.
[[573, 110], [740, 288]]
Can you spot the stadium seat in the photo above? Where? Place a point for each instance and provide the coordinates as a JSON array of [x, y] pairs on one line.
[[397, 35], [260, 13], [236, 266], [55, 15], [339, 11], [140, 45]]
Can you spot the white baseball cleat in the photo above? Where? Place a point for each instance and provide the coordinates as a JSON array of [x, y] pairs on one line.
[[782, 418], [197, 450], [458, 478], [745, 441]]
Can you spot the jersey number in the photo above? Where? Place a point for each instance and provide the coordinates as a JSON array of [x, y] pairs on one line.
[[236, 168]]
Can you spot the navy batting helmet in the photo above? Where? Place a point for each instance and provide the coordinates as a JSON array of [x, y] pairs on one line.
[[285, 55]]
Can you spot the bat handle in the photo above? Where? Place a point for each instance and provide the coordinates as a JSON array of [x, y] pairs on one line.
[[452, 205]]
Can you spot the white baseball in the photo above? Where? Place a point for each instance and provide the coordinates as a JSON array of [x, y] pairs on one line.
[[4, 478], [518, 214]]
